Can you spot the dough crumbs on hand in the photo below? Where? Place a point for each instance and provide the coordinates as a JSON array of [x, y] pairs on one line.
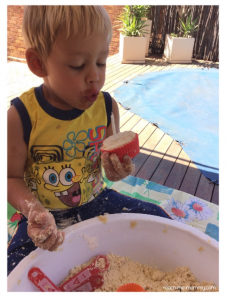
[[18, 282], [103, 219], [200, 249], [133, 224]]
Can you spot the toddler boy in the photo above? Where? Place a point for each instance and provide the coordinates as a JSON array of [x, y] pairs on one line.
[[55, 131]]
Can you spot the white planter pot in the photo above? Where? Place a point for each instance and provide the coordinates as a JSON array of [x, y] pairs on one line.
[[147, 35], [132, 49], [178, 50]]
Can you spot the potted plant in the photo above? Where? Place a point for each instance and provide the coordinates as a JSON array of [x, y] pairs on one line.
[[133, 42], [179, 47]]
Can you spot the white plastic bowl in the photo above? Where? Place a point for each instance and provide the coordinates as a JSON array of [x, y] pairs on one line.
[[147, 239]]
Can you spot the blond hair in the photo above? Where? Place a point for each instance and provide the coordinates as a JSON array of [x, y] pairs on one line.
[[42, 24]]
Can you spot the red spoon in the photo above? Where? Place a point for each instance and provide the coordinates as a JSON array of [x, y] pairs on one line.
[[41, 281], [94, 268], [86, 280]]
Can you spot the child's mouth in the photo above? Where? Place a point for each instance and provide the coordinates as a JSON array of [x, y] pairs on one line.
[[92, 98], [91, 95]]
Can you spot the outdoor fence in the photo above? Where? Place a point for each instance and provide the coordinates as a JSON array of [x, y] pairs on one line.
[[165, 20]]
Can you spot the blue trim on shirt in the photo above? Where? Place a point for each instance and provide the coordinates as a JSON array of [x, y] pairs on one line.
[[108, 102], [53, 111], [25, 119]]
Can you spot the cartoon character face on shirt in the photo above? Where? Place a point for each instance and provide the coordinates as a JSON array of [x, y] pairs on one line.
[[65, 182]]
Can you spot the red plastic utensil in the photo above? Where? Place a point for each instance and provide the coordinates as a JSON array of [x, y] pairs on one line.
[[41, 281], [83, 276], [130, 287], [91, 284]]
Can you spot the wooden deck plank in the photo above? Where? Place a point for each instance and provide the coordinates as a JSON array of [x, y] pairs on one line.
[[178, 171], [117, 71], [146, 146], [131, 123], [146, 133], [132, 71], [140, 126], [164, 168], [191, 179], [122, 111], [128, 115], [204, 189], [215, 196], [155, 157]]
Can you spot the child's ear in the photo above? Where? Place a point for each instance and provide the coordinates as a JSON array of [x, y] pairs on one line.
[[35, 63]]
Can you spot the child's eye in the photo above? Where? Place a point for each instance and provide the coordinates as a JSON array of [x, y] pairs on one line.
[[101, 65], [77, 68]]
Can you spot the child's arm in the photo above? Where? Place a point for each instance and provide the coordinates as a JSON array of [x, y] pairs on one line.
[[114, 169], [41, 224]]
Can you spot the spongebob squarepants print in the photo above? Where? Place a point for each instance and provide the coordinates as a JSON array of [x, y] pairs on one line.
[[69, 175]]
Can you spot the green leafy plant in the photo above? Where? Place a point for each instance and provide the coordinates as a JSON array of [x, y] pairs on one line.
[[140, 11], [187, 27], [131, 23]]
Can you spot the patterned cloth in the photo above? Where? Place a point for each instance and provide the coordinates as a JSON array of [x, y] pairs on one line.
[[182, 207]]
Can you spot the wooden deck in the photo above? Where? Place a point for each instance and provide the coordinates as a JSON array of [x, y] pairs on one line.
[[161, 158]]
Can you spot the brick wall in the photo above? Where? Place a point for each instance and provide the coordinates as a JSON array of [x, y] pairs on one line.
[[114, 11], [15, 43]]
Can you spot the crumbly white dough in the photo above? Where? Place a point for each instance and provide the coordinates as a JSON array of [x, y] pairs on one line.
[[122, 138], [123, 270]]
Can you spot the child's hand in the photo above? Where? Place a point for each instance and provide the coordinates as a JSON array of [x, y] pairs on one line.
[[42, 229], [114, 169]]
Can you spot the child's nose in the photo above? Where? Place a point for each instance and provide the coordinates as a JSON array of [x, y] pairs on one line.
[[92, 76]]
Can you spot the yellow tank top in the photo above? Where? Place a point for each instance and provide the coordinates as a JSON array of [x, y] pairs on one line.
[[63, 167]]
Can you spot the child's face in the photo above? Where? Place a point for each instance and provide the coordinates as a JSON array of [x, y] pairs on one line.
[[76, 71]]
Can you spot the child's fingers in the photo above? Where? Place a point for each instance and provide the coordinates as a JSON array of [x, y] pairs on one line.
[[59, 241], [108, 166], [128, 166], [118, 167], [43, 238]]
